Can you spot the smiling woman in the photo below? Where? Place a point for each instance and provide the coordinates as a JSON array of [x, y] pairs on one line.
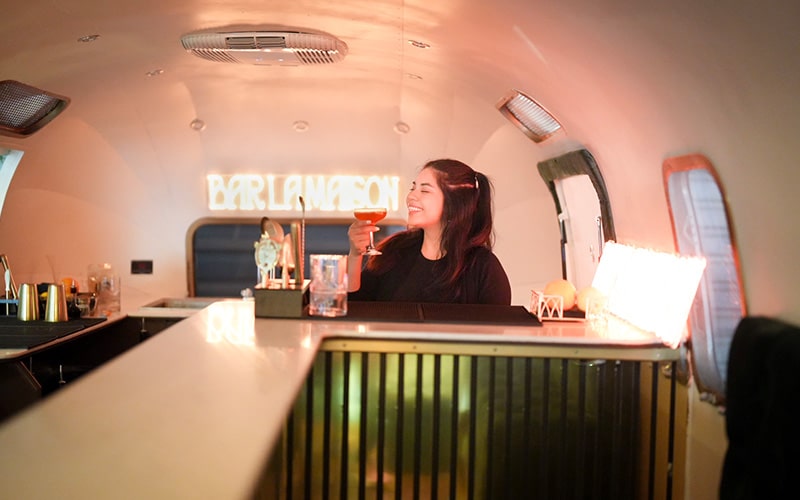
[[446, 254]]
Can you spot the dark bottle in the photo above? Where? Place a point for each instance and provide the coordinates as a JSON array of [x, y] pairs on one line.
[[73, 311]]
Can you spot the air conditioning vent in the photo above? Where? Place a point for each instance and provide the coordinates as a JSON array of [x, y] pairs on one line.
[[25, 109], [534, 121], [266, 47]]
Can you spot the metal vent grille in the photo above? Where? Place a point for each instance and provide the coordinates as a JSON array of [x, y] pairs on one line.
[[255, 42], [25, 109], [214, 55], [312, 56], [266, 48], [528, 115]]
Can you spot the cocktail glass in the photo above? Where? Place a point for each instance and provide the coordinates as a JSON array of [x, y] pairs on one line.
[[373, 214]]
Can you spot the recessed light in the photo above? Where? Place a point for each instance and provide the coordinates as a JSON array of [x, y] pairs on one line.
[[402, 128], [155, 72], [300, 126], [88, 38], [413, 76], [198, 124], [419, 45]]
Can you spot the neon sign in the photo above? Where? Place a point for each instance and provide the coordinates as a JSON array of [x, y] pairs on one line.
[[320, 192]]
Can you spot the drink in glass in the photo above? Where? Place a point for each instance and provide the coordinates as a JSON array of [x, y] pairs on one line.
[[373, 215]]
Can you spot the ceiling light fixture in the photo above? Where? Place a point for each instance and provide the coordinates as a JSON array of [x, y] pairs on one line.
[[300, 126], [88, 38], [198, 124]]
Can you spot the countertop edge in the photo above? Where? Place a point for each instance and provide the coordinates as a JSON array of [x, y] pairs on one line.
[[210, 394]]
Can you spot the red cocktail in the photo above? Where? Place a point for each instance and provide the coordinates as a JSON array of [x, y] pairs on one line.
[[373, 215]]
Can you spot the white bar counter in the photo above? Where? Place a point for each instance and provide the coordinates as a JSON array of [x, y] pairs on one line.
[[195, 411]]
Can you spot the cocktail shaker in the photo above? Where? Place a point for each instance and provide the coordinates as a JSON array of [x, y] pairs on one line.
[[56, 307], [28, 307]]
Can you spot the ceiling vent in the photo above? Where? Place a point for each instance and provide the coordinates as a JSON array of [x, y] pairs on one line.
[[25, 109], [278, 48], [528, 116]]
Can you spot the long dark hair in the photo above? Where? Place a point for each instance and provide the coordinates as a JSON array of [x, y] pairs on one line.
[[466, 222]]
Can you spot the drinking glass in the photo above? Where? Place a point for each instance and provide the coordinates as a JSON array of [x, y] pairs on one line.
[[328, 285], [373, 214], [108, 296]]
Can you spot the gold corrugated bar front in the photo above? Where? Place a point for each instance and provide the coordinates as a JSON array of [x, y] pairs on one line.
[[373, 423]]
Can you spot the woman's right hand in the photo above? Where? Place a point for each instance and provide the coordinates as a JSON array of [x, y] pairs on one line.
[[358, 232]]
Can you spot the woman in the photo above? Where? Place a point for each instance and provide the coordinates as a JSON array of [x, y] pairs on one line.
[[446, 253]]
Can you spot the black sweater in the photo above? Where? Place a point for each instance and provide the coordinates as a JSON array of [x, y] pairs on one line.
[[484, 281]]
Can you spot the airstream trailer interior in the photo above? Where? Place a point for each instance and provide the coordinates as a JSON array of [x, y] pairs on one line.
[[167, 170]]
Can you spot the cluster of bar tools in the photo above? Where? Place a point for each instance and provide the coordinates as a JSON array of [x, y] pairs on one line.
[[285, 296], [24, 301], [55, 309], [277, 250]]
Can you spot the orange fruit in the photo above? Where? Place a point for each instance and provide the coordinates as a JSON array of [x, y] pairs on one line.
[[589, 294], [565, 289]]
